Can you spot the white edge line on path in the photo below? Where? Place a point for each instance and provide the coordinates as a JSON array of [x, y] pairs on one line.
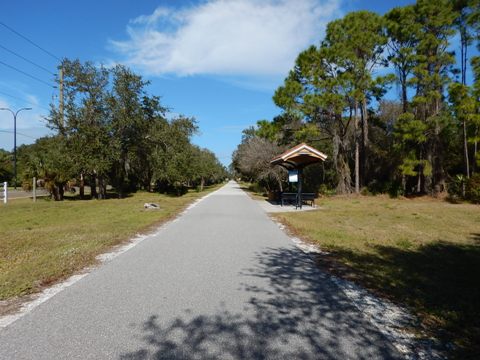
[[104, 258], [389, 318]]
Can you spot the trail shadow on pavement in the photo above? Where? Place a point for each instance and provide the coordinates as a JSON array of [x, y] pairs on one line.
[[439, 282], [294, 312]]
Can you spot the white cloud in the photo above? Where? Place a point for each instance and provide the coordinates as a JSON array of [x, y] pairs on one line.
[[226, 37]]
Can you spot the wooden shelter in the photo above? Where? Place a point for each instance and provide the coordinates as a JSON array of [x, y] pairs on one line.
[[298, 158]]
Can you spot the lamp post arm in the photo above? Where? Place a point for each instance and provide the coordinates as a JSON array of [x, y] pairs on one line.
[[20, 110], [15, 141], [7, 109]]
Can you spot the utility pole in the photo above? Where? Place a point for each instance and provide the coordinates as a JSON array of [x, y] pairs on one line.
[[15, 142], [60, 106]]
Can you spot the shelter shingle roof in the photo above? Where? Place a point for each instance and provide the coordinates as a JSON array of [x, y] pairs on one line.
[[298, 157]]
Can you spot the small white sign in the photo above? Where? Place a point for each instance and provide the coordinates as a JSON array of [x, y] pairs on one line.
[[293, 176], [5, 192]]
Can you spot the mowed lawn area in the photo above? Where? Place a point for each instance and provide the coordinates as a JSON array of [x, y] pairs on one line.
[[422, 253], [46, 241]]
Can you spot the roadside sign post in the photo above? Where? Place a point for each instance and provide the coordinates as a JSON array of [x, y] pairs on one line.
[[34, 189], [5, 192]]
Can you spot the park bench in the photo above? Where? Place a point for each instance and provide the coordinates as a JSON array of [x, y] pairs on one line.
[[288, 198], [308, 198]]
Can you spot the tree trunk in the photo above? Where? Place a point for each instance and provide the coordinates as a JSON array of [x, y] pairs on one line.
[[57, 191], [428, 184], [438, 159], [147, 180], [475, 152], [419, 181], [280, 186], [420, 173], [102, 194], [435, 182], [82, 186], [54, 192], [364, 159], [344, 178], [439, 175], [341, 165], [465, 149], [357, 151], [202, 183], [61, 191], [119, 187], [404, 91], [93, 186], [464, 47]]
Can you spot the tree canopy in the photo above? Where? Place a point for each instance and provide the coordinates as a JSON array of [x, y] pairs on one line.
[[338, 97], [112, 132]]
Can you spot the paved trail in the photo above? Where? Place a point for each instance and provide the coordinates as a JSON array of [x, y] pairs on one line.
[[222, 282]]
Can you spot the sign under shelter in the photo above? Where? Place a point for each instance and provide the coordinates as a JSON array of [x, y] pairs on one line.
[[297, 158]]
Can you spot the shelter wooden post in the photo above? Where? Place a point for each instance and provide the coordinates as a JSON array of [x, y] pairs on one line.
[[299, 188]]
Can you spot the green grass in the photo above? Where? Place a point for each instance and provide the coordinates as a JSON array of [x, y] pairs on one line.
[[422, 253], [44, 242]]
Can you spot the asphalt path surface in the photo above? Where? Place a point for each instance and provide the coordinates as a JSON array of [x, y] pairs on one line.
[[221, 282]]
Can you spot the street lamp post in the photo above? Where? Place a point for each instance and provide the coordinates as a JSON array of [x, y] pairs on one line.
[[15, 113]]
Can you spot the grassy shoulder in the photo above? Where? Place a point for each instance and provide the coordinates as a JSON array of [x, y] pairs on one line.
[[422, 253], [44, 242], [253, 190]]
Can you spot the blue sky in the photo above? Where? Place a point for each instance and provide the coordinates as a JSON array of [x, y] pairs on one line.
[[219, 61]]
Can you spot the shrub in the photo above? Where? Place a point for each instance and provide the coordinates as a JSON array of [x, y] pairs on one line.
[[375, 187], [325, 190], [256, 187], [392, 188], [472, 191], [395, 189], [27, 185], [454, 186], [366, 192]]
